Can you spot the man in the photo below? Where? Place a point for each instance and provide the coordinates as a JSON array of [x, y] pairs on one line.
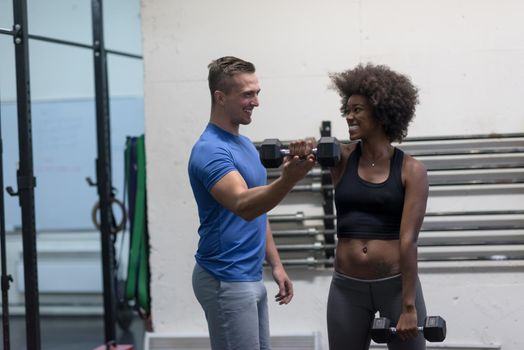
[[229, 185]]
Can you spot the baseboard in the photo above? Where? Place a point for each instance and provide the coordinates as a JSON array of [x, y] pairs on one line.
[[156, 341]]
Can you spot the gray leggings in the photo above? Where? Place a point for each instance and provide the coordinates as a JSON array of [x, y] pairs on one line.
[[352, 304]]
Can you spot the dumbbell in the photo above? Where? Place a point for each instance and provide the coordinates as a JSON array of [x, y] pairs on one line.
[[434, 329], [272, 152]]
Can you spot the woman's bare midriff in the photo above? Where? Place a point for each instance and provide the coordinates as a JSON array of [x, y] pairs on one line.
[[367, 259]]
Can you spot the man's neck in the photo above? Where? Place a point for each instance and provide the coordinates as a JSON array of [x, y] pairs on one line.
[[220, 120]]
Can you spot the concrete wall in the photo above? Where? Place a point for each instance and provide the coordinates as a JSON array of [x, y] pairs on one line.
[[463, 55]]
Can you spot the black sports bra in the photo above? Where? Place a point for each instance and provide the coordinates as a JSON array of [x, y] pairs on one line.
[[368, 210]]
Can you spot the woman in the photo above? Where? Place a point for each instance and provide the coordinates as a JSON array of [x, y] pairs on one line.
[[380, 196]]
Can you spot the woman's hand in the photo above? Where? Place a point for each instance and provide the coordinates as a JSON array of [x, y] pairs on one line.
[[407, 324]]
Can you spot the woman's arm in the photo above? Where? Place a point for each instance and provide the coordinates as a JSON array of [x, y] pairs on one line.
[[415, 199], [338, 170]]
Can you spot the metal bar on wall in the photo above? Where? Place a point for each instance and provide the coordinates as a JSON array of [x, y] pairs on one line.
[[103, 170], [328, 203], [71, 43], [25, 176]]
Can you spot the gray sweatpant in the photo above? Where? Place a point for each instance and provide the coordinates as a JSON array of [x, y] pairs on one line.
[[351, 308], [236, 312]]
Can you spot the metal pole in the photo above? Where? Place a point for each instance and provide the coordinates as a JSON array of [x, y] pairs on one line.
[[25, 177], [328, 196], [6, 279], [103, 170]]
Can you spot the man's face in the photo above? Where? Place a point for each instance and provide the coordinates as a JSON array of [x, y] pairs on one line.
[[242, 98]]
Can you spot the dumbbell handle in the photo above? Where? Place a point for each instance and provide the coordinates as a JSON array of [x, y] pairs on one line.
[[394, 330], [286, 152]]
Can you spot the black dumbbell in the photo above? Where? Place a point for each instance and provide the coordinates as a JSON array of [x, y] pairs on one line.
[[327, 152], [434, 329]]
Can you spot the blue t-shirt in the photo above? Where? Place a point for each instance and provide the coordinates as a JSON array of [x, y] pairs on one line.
[[230, 248]]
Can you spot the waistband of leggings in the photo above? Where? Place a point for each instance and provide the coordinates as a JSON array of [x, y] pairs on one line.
[[341, 275]]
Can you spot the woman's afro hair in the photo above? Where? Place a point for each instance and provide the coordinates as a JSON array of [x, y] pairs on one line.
[[392, 96]]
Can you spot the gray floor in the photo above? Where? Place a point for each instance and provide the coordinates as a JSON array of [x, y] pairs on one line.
[[72, 332]]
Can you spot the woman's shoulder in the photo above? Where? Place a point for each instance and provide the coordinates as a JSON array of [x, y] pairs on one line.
[[412, 167], [345, 152], [347, 148]]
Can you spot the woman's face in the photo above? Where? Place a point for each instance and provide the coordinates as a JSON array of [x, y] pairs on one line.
[[360, 117]]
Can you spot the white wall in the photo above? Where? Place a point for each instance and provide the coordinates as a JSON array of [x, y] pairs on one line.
[[463, 55]]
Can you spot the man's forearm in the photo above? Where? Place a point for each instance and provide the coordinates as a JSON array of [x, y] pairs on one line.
[[272, 256], [259, 200]]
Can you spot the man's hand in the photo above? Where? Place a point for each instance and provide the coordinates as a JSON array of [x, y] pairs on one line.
[[285, 286], [300, 161]]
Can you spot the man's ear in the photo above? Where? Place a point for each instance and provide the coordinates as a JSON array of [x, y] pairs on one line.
[[219, 97]]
